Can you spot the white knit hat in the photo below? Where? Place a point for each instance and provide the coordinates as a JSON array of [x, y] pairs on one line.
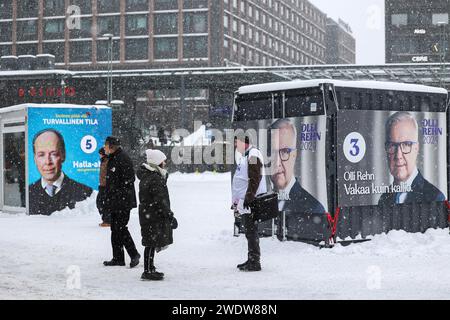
[[155, 157]]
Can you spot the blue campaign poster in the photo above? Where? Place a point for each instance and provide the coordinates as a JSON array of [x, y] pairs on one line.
[[63, 144]]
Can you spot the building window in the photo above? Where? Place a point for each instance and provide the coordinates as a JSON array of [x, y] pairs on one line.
[[195, 47], [195, 22], [26, 30], [5, 31], [137, 25], [136, 49], [166, 48], [5, 9], [137, 5], [54, 29], [166, 23], [102, 50], [438, 18], [84, 5], [166, 4], [54, 8], [27, 49], [399, 19], [195, 4], [85, 31], [5, 50], [80, 51], [108, 25], [105, 6], [27, 9], [54, 48]]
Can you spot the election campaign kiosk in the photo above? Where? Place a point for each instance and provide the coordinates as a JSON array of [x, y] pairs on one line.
[[50, 156], [349, 159]]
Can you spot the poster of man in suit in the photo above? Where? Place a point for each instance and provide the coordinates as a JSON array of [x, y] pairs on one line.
[[64, 166], [391, 158]]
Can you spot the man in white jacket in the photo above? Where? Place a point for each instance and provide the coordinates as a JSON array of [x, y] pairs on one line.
[[247, 183]]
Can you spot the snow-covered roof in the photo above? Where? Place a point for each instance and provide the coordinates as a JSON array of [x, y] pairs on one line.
[[34, 72], [20, 107], [378, 85]]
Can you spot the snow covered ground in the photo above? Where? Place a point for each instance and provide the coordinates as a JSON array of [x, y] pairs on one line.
[[40, 258]]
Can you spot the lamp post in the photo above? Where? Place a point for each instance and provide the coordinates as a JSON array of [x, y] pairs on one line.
[[443, 49], [109, 90]]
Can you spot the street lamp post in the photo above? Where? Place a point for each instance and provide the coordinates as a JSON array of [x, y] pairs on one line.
[[443, 50], [109, 90]]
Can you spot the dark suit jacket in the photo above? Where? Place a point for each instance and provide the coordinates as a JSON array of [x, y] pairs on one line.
[[71, 192], [301, 201], [422, 191]]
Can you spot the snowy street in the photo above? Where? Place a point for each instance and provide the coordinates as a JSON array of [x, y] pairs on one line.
[[37, 255]]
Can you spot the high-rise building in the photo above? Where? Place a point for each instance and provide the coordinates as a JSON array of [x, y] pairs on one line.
[[165, 33], [340, 43], [417, 31]]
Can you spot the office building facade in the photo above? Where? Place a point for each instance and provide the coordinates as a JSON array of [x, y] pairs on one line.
[[417, 31]]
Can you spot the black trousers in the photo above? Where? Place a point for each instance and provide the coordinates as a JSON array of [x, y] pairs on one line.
[[149, 257], [251, 233], [120, 236]]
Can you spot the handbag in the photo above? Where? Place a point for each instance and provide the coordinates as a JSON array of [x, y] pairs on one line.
[[264, 207]]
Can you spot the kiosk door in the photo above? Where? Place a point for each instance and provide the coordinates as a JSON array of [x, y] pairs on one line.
[[13, 165]]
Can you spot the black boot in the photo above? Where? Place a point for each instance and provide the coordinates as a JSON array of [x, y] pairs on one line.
[[240, 266], [135, 261], [152, 275], [113, 263], [251, 266]]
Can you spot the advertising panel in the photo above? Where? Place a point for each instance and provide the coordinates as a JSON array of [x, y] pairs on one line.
[[294, 163], [388, 157], [63, 149]]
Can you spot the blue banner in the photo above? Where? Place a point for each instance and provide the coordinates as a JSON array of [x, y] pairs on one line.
[[78, 133]]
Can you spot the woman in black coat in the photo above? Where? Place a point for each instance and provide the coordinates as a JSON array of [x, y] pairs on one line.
[[155, 216]]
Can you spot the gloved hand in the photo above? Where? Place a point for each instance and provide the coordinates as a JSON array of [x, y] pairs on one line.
[[246, 204]]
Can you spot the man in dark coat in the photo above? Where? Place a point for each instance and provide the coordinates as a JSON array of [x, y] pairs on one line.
[[54, 191], [155, 216], [119, 199]]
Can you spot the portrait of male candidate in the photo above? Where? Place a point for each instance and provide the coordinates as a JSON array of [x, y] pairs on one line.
[[292, 197], [402, 149], [54, 191]]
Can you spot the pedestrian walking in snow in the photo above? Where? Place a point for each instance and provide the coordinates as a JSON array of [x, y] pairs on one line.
[[247, 183], [120, 198], [100, 201], [155, 216]]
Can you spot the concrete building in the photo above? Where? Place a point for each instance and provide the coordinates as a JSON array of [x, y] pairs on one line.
[[340, 43], [417, 31]]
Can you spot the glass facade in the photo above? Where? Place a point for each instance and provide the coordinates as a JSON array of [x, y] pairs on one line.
[[26, 30], [54, 29], [166, 4], [5, 31], [108, 6], [195, 47], [80, 51], [136, 25], [195, 22], [27, 9], [137, 5], [136, 49], [102, 50], [108, 25], [85, 30], [166, 23], [54, 8], [5, 9], [166, 48]]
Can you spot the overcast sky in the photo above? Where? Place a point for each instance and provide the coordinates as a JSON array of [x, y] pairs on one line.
[[366, 18]]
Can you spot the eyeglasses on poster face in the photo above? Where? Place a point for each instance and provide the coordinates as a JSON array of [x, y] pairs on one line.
[[285, 153], [405, 147]]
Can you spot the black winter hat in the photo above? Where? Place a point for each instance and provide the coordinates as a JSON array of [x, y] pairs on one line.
[[112, 141]]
